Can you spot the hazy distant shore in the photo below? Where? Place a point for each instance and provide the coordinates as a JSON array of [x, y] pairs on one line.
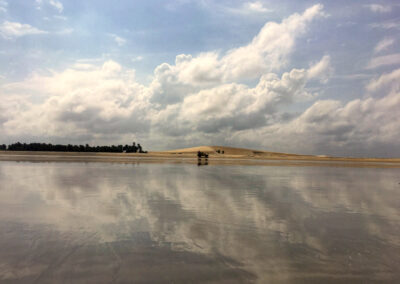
[[231, 156]]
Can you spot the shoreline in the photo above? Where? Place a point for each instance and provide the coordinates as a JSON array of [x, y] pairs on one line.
[[191, 158]]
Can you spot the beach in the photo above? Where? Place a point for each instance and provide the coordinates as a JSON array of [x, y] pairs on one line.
[[230, 155]]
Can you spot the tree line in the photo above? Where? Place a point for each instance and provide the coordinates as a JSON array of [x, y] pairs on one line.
[[73, 148]]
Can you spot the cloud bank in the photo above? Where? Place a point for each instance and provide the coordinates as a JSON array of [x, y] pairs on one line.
[[244, 96]]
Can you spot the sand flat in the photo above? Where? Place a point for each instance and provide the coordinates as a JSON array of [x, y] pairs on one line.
[[231, 156]]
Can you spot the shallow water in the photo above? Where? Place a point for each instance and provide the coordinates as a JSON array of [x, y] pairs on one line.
[[180, 223]]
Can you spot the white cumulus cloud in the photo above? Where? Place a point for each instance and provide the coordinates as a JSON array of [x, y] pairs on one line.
[[86, 99], [378, 8], [385, 60], [268, 51], [256, 6], [390, 80], [14, 29], [359, 127], [54, 3], [119, 40], [384, 44], [321, 70]]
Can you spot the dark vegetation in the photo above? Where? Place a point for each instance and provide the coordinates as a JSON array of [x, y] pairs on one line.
[[73, 148]]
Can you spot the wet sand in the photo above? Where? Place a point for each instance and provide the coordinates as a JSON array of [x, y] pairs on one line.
[[238, 158], [79, 222]]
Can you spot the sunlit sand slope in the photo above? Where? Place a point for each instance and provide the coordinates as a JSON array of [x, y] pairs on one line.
[[231, 152], [228, 151]]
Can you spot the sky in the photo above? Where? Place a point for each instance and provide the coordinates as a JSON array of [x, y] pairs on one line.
[[309, 77]]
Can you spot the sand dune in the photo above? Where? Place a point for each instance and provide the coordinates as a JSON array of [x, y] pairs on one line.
[[230, 151]]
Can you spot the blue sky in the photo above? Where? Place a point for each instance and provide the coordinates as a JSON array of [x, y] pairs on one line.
[[294, 76]]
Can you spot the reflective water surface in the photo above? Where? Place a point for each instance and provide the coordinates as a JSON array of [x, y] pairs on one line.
[[180, 223]]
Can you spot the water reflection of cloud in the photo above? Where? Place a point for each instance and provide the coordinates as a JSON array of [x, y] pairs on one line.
[[278, 223]]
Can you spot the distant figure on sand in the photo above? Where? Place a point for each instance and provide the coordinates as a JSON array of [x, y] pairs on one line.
[[202, 154]]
